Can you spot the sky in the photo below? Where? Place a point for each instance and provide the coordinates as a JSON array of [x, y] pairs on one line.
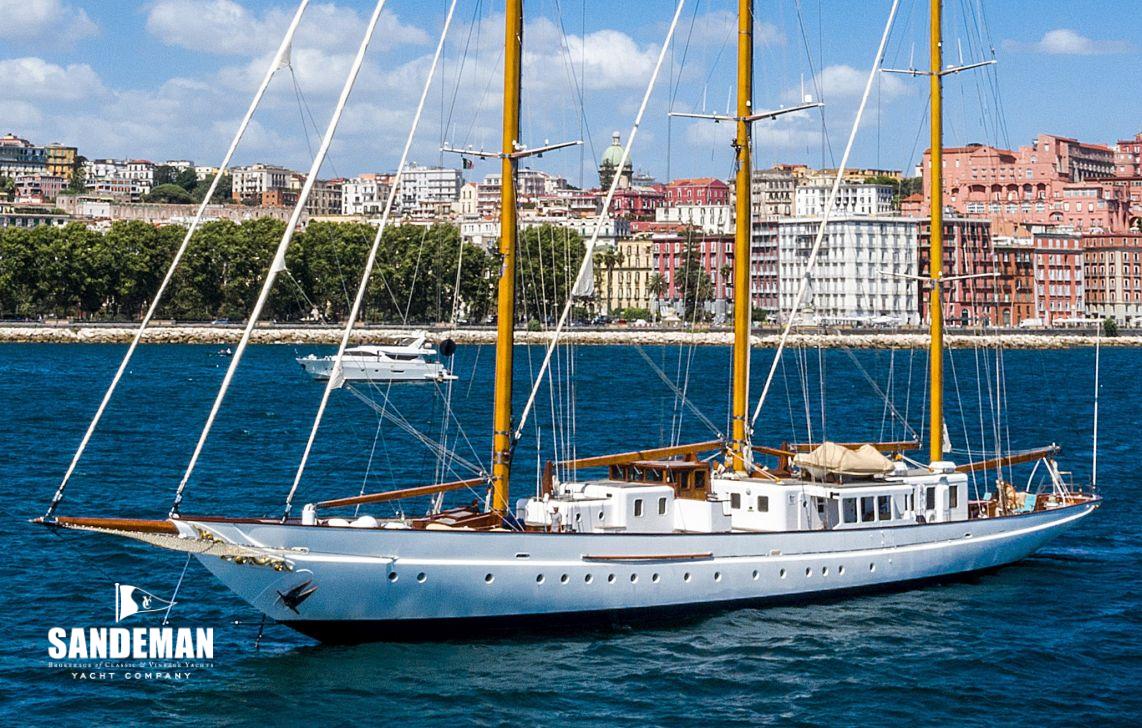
[[170, 79]]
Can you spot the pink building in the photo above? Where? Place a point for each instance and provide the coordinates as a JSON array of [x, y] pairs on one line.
[[638, 203], [700, 191], [967, 251], [714, 252], [1128, 157], [1026, 185], [1112, 271], [39, 187], [1058, 271]]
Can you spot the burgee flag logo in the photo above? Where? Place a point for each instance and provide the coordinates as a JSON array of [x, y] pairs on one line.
[[131, 600]]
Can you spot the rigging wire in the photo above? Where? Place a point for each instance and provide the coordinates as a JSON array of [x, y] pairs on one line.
[[336, 373], [275, 65]]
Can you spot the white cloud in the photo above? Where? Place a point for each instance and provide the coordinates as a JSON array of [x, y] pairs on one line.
[[16, 114], [44, 21], [721, 26], [1067, 42], [35, 78], [225, 27], [842, 81]]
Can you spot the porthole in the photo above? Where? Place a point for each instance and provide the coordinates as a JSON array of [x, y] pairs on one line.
[[539, 579], [808, 572], [686, 576], [824, 571], [872, 567], [755, 575], [488, 578], [633, 578], [393, 576], [717, 576], [564, 579], [588, 578], [782, 573], [422, 577], [654, 578], [841, 569], [610, 578]]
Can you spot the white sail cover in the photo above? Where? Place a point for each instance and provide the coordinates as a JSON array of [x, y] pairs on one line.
[[585, 283], [829, 457]]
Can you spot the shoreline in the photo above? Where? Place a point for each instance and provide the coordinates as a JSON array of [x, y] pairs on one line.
[[328, 335]]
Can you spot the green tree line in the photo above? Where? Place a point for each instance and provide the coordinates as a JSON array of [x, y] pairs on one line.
[[79, 273]]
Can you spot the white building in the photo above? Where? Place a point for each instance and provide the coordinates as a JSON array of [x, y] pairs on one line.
[[486, 232], [468, 203], [422, 188], [365, 194], [852, 199], [714, 219], [253, 181], [531, 183], [205, 174], [141, 174], [853, 281], [94, 169]]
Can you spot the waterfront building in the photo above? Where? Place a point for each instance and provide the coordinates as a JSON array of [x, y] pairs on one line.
[[365, 194], [764, 277], [1059, 275], [1112, 271], [623, 274], [860, 270], [1014, 279], [810, 200], [714, 253], [421, 189], [967, 252]]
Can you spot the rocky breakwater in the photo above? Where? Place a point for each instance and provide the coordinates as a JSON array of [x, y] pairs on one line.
[[323, 335]]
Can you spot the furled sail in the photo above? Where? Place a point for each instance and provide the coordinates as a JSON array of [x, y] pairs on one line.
[[831, 458], [585, 283]]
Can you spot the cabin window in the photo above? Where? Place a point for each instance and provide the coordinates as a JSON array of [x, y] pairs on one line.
[[638, 507], [662, 506], [763, 504], [735, 501], [849, 507], [953, 497], [930, 499], [868, 508], [884, 507]]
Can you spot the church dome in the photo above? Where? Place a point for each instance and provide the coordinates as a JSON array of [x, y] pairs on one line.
[[614, 153]]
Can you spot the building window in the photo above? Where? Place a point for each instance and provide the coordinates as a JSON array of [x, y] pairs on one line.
[[763, 504], [638, 507]]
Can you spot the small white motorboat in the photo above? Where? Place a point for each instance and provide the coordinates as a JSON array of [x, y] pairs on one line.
[[410, 360]]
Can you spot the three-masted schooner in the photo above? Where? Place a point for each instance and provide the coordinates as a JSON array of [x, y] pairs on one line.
[[660, 530]]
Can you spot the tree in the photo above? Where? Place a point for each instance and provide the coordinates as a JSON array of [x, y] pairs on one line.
[[694, 283], [656, 287], [221, 195], [164, 175], [170, 193], [548, 260], [609, 258], [7, 188], [78, 183], [1109, 327], [187, 179]]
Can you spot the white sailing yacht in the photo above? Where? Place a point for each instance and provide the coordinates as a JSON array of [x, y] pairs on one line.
[[661, 531]]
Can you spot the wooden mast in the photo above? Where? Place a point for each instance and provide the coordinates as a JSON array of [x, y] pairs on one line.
[[936, 246], [739, 448], [505, 309]]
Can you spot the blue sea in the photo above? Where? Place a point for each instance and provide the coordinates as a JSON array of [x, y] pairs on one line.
[[1054, 640]]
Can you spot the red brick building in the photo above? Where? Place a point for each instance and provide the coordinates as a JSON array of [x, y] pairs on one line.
[[1112, 272], [700, 191], [967, 251], [1058, 266], [638, 203]]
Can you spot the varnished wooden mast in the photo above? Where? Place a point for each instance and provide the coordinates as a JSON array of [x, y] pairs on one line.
[[739, 448], [505, 309], [936, 248]]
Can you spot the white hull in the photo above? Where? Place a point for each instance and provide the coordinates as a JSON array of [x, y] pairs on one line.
[[377, 370], [460, 579]]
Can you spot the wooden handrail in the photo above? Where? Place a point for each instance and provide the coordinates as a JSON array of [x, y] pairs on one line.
[[621, 458], [1011, 459], [392, 495]]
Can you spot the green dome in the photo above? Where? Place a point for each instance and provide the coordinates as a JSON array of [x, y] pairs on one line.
[[614, 153]]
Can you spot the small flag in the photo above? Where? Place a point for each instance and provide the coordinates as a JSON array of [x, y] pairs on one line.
[[133, 600], [468, 163]]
